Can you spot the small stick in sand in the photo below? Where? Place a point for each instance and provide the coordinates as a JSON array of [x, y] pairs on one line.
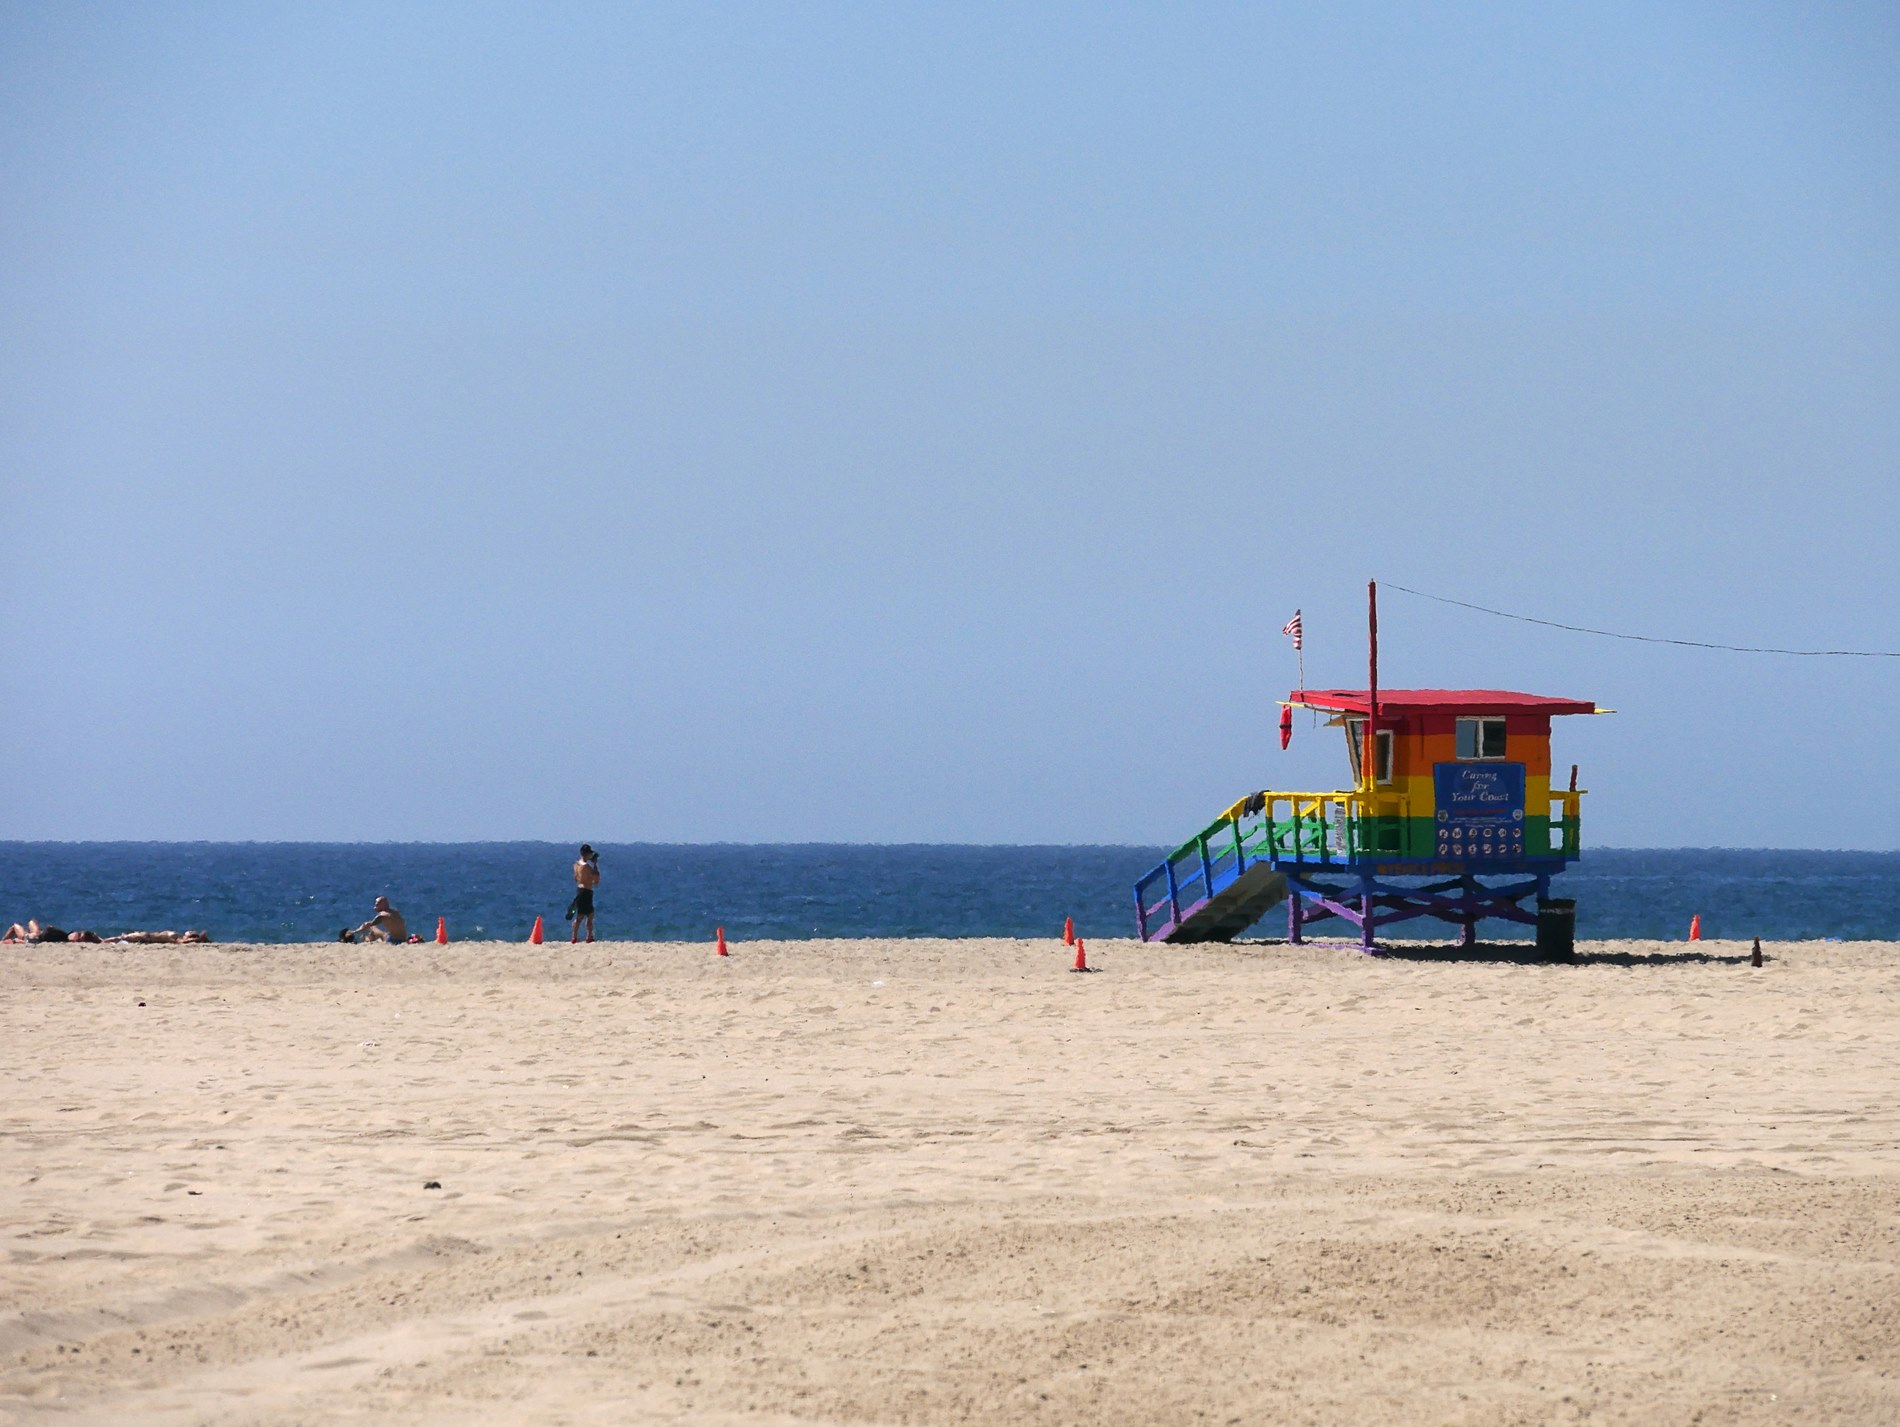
[[1755, 960]]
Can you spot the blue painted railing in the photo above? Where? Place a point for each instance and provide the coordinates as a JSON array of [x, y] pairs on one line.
[[1319, 828]]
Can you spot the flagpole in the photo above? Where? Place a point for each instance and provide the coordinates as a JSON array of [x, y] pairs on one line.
[[1296, 631]]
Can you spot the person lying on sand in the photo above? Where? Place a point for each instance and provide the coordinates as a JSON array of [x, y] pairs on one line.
[[386, 925], [35, 933], [164, 938]]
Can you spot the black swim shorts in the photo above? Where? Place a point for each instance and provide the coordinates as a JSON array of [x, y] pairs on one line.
[[583, 905]]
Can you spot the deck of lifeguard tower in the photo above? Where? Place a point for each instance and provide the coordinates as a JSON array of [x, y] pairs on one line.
[[1461, 824]]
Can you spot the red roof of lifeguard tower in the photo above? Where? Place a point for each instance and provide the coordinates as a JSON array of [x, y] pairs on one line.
[[1477, 701]]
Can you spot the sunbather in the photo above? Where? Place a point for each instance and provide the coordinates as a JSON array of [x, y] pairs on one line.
[[35, 933]]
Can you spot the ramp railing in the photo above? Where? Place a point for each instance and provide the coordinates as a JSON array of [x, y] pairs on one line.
[[1320, 828]]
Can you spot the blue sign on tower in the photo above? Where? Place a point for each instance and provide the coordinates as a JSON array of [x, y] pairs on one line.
[[1480, 810]]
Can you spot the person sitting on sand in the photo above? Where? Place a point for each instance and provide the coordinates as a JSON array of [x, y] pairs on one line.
[[386, 925], [164, 938]]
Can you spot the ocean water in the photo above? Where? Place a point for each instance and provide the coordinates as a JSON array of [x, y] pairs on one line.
[[284, 892]]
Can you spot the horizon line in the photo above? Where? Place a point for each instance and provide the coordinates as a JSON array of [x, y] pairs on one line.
[[725, 842]]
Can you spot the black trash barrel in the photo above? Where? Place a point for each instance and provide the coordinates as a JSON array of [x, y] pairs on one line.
[[1557, 929]]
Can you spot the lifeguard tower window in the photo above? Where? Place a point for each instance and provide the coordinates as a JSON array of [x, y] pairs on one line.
[[1479, 738], [1356, 740]]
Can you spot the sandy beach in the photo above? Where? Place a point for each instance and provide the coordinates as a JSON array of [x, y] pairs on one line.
[[949, 1181]]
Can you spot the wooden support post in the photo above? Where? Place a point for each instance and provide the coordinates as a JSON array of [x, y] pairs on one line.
[[1295, 916]]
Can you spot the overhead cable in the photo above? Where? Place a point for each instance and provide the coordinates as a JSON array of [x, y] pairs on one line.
[[1651, 638]]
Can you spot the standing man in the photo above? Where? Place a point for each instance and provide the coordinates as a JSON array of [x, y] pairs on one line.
[[586, 878]]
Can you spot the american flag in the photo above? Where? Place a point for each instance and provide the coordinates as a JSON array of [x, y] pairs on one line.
[[1295, 630]]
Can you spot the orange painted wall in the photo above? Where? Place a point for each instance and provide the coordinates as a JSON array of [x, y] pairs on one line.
[[1422, 740]]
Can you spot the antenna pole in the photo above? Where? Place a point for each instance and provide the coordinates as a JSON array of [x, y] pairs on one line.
[[1369, 757]]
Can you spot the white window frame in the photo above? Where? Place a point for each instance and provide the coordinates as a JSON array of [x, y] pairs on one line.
[[1479, 721], [1385, 753]]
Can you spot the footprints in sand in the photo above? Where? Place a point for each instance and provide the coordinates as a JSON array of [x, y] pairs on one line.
[[989, 1142]]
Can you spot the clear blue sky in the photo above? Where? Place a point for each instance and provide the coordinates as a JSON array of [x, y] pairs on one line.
[[915, 422]]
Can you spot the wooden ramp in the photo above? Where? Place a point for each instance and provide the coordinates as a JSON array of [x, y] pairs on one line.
[[1238, 901]]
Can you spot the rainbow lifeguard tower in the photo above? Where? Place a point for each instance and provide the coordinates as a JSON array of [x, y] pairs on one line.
[[1453, 815]]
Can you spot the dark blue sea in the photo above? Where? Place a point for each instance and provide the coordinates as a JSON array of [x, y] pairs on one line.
[[285, 892]]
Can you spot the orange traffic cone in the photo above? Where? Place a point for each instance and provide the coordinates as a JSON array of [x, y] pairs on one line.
[[722, 942], [1081, 956], [441, 931], [1695, 927], [1068, 931], [535, 935]]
